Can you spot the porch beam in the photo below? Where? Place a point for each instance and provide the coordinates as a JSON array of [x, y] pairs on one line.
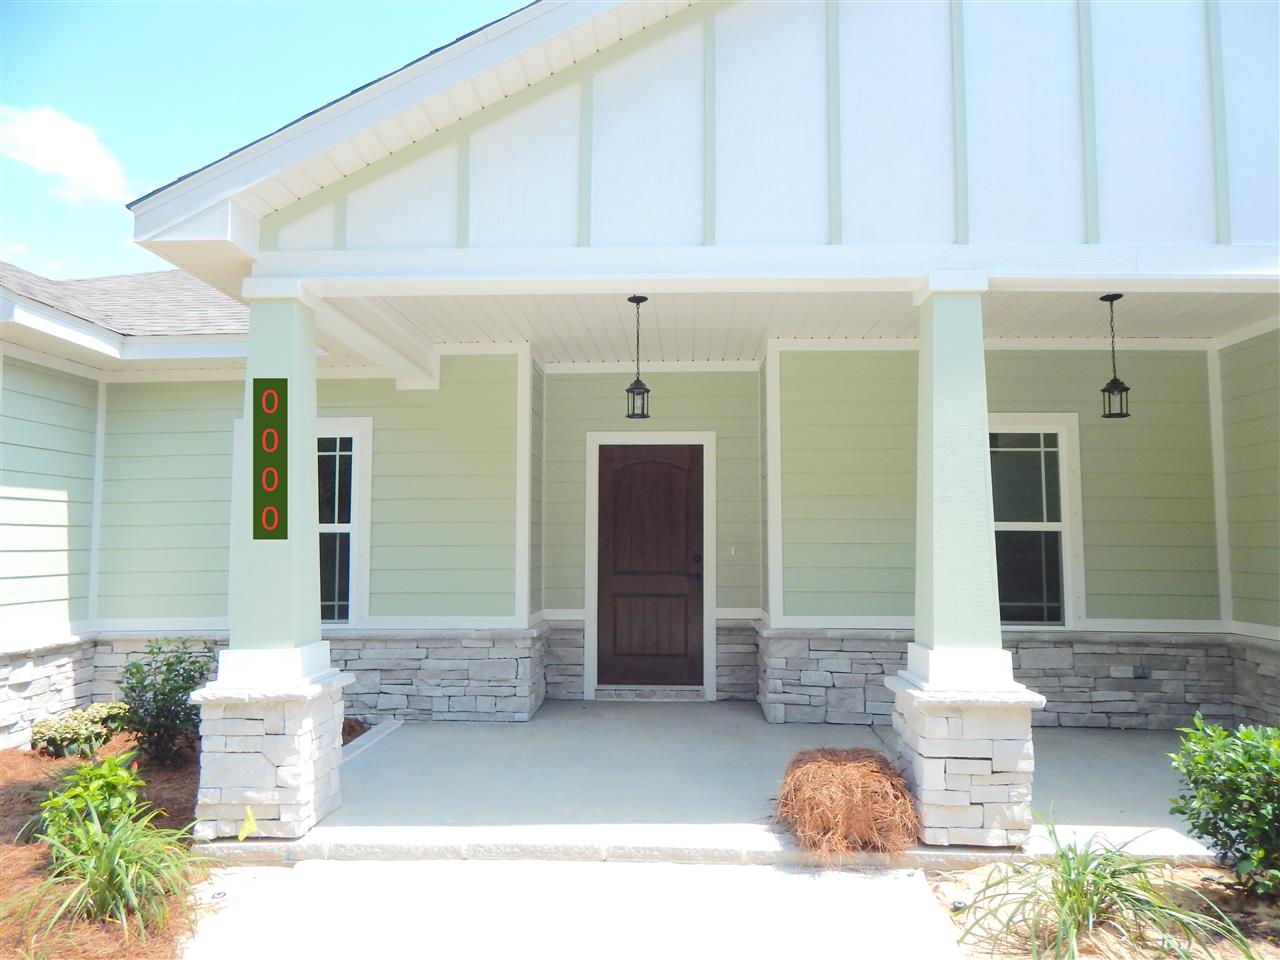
[[818, 268]]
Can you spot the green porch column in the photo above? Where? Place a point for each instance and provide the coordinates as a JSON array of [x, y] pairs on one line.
[[271, 720], [963, 722], [957, 605], [275, 584]]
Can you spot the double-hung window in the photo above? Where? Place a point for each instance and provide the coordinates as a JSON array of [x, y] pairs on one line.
[[334, 469], [1027, 494]]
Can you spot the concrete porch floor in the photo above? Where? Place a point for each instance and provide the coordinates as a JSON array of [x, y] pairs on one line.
[[682, 782]]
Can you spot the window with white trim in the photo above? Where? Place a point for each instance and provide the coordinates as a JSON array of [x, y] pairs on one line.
[[335, 462], [1026, 487]]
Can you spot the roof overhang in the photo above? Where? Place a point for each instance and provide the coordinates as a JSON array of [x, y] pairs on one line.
[[206, 222]]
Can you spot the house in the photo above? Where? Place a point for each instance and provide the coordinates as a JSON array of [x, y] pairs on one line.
[[888, 472]]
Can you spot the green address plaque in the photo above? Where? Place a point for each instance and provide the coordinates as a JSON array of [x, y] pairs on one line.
[[270, 458]]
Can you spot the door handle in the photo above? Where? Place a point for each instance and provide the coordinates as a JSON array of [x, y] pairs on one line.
[[697, 558]]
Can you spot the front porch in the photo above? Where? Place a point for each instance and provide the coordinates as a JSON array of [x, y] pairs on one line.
[[676, 781]]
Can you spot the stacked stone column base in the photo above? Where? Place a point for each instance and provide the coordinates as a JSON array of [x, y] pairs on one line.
[[969, 760], [273, 751]]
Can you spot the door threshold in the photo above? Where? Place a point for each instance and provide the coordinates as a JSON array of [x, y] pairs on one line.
[[620, 693]]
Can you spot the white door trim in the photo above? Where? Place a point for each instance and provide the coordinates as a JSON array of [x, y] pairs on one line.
[[591, 587]]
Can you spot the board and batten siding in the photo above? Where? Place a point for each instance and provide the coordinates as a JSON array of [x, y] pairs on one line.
[[804, 122], [48, 425], [726, 402], [848, 478], [1251, 438], [442, 519]]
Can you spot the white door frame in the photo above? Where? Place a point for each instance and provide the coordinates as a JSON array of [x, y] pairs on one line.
[[695, 438]]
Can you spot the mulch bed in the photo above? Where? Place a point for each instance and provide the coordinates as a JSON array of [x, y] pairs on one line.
[[352, 728], [1258, 920], [25, 779]]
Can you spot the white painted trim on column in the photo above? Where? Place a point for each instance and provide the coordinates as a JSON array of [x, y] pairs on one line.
[[524, 478], [95, 522], [773, 477], [591, 582], [1221, 517], [1067, 427]]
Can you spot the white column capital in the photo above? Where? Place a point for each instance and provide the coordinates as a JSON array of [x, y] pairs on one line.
[[949, 281]]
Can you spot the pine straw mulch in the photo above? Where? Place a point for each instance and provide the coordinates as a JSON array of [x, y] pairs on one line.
[[352, 728], [25, 779], [837, 802], [1258, 920]]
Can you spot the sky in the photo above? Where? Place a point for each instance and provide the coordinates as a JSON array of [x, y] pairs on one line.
[[102, 102]]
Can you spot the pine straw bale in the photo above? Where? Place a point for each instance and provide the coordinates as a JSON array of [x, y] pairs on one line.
[[836, 802]]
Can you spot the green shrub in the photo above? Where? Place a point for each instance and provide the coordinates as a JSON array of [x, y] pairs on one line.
[[125, 872], [110, 714], [109, 788], [1097, 898], [81, 732], [1231, 797], [157, 688]]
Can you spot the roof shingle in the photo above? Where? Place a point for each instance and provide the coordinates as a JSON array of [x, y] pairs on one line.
[[164, 303]]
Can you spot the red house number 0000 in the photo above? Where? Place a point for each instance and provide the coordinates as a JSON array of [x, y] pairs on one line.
[[270, 458]]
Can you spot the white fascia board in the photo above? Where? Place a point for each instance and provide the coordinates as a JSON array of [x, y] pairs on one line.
[[226, 220], [381, 100], [816, 268], [44, 319]]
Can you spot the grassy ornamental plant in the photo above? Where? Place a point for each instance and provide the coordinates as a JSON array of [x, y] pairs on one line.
[[157, 689], [1231, 797], [126, 871], [1098, 899]]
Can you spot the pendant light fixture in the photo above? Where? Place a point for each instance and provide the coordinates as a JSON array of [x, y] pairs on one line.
[[1115, 395], [637, 393]]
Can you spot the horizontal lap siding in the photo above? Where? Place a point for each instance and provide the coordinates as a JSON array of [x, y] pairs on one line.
[[166, 499], [1251, 437], [48, 423], [443, 523], [1146, 482], [726, 403], [443, 498], [848, 478], [848, 483]]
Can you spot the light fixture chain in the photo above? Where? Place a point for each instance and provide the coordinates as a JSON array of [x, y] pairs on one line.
[[638, 342], [1112, 305]]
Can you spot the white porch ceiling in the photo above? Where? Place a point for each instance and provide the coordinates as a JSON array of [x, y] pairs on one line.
[[735, 327]]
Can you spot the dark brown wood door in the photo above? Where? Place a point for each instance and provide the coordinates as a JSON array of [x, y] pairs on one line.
[[649, 628]]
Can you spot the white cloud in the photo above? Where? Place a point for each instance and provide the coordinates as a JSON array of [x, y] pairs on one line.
[[12, 249], [53, 143]]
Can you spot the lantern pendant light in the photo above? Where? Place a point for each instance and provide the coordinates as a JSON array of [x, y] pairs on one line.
[[1115, 395], [637, 393]]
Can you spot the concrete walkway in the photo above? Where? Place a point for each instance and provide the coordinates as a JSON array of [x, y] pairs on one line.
[[572, 910]]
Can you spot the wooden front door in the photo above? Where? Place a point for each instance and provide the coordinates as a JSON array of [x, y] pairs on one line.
[[649, 629]]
